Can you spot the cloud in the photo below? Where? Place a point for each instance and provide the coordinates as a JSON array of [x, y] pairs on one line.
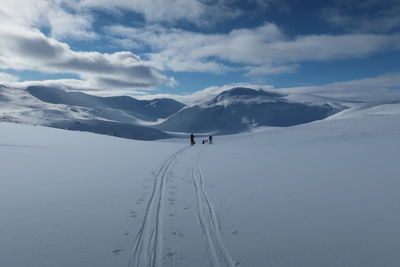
[[6, 77], [65, 25], [261, 50], [365, 16], [74, 18], [60, 16], [383, 88], [269, 69], [26, 49], [180, 50], [153, 11], [198, 12], [204, 93], [66, 84], [375, 90]]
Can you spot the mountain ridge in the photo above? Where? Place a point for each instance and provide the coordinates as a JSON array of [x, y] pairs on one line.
[[240, 109], [231, 111], [149, 110]]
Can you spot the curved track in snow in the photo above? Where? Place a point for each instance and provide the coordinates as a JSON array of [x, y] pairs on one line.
[[208, 219], [147, 249]]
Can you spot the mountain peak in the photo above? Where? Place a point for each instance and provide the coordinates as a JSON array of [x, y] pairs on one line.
[[240, 109], [241, 94], [244, 91]]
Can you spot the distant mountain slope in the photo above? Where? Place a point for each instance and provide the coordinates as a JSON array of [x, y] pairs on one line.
[[241, 108], [148, 110], [232, 111], [77, 111]]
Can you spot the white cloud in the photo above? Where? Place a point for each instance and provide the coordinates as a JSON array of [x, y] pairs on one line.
[[51, 14], [72, 18], [23, 12], [153, 11], [269, 69], [260, 51], [357, 16], [66, 25], [204, 93], [26, 49], [384, 88], [264, 50], [199, 12], [128, 44], [6, 77], [66, 84], [380, 89]]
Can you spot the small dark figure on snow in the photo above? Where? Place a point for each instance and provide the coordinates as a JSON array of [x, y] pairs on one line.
[[210, 139], [192, 142]]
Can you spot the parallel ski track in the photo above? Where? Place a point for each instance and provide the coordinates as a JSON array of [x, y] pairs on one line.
[[208, 220], [147, 248]]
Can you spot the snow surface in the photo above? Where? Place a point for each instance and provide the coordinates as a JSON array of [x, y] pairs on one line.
[[318, 194]]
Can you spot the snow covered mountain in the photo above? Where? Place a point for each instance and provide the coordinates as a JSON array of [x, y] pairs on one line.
[[117, 116], [147, 110], [232, 111], [240, 109]]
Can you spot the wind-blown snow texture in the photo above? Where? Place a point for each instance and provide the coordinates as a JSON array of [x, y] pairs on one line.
[[240, 109], [318, 194]]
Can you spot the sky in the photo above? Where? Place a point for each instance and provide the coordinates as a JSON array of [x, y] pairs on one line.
[[189, 49]]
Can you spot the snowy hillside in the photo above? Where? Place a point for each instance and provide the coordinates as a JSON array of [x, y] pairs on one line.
[[147, 110], [117, 116], [240, 109], [312, 195], [232, 111]]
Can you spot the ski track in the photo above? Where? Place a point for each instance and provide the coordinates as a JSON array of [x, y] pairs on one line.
[[208, 220], [147, 248]]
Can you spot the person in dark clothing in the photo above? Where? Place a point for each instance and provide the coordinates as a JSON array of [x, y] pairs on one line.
[[210, 139], [192, 142]]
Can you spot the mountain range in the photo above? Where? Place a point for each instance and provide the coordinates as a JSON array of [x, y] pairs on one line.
[[232, 111]]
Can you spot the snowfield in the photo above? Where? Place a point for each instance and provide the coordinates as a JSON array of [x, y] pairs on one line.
[[324, 193]]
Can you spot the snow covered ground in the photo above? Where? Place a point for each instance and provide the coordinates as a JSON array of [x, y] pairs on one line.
[[318, 194]]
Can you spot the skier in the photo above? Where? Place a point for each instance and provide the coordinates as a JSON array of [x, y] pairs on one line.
[[192, 142], [210, 139]]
